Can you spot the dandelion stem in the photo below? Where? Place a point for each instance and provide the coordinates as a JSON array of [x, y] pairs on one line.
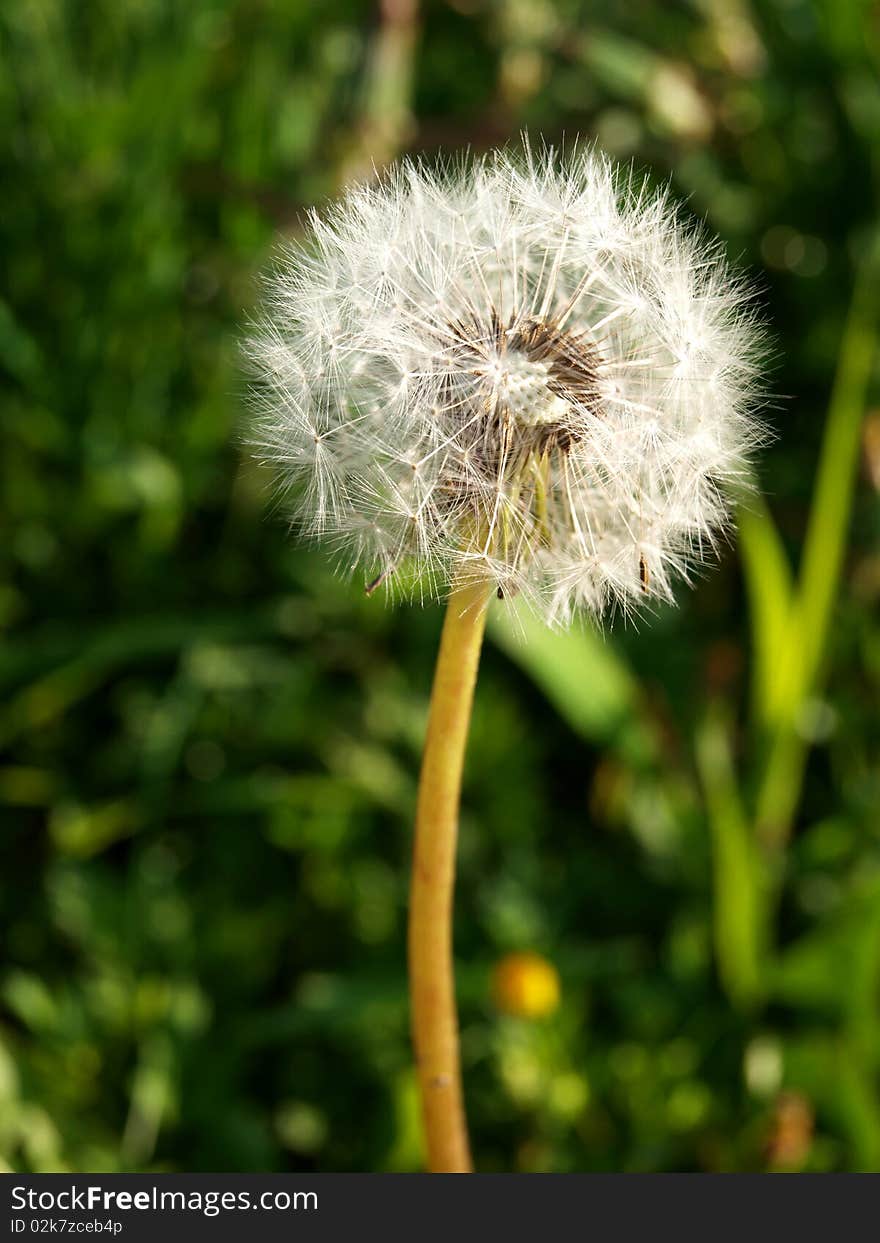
[[432, 981]]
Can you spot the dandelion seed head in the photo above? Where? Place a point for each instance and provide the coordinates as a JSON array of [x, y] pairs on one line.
[[525, 367]]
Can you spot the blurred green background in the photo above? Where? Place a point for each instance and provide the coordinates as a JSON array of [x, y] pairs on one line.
[[208, 744]]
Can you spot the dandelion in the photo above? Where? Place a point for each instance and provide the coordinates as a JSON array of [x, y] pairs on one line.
[[525, 984], [521, 375]]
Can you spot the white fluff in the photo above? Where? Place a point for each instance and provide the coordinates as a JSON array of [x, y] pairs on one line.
[[522, 366]]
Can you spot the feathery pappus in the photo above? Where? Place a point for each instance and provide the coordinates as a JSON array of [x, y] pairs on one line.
[[523, 367]]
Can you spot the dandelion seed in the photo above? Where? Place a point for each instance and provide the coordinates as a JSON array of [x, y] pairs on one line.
[[510, 356]]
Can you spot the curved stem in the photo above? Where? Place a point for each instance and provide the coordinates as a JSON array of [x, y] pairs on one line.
[[432, 982]]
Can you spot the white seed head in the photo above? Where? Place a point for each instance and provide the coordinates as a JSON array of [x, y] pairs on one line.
[[524, 367]]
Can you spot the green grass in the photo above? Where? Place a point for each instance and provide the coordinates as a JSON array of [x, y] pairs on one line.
[[208, 743]]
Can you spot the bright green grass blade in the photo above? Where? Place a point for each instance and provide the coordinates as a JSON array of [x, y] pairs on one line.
[[738, 906], [835, 483], [582, 675], [805, 640], [770, 590]]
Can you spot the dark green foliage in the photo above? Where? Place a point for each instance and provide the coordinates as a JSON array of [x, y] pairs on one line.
[[209, 744]]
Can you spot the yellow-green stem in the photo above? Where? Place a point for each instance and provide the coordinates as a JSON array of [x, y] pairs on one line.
[[432, 981]]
